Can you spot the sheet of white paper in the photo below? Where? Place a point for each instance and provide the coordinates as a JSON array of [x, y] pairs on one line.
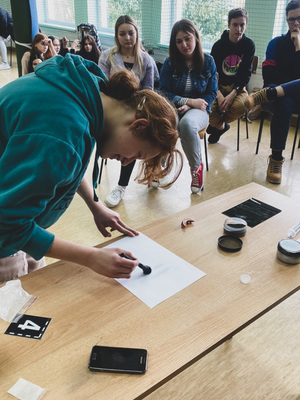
[[169, 275]]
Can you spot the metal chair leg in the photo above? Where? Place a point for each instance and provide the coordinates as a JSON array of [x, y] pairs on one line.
[[262, 118], [101, 168], [238, 132], [205, 150], [238, 136], [295, 137]]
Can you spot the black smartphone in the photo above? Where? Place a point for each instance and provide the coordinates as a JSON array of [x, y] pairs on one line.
[[118, 359]]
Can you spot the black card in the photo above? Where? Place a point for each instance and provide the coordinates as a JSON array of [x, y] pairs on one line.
[[29, 326], [252, 211]]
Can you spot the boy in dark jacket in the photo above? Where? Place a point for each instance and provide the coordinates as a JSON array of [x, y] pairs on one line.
[[233, 55]]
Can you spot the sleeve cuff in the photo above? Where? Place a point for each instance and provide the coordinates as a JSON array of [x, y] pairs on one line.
[[39, 243], [182, 101]]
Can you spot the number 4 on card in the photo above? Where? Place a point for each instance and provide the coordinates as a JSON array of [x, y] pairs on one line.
[[29, 326]]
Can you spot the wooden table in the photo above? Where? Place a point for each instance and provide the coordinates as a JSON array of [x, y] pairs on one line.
[[88, 309]]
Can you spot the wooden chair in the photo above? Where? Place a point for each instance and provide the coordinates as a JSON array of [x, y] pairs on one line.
[[202, 134]]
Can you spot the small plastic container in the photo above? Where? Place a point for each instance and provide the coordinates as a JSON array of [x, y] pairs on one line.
[[231, 244], [234, 226], [288, 251]]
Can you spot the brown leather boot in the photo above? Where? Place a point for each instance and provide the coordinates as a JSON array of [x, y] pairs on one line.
[[254, 99], [274, 170]]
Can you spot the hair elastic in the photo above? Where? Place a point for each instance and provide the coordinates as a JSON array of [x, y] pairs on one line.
[[141, 103]]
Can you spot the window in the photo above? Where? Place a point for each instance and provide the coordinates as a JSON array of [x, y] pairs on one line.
[[209, 17], [280, 24], [56, 12], [155, 19], [108, 11]]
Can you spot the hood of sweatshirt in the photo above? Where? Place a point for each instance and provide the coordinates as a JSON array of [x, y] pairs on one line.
[[229, 44], [81, 79]]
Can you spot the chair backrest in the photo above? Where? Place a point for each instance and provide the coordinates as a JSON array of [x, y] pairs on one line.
[[202, 133]]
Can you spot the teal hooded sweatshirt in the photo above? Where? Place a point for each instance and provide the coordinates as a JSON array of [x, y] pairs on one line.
[[50, 122]]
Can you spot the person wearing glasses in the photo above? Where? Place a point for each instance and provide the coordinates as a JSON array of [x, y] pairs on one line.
[[282, 65], [42, 47], [56, 43]]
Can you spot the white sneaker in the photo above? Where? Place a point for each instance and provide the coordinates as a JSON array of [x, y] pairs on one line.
[[4, 66], [114, 198], [160, 182]]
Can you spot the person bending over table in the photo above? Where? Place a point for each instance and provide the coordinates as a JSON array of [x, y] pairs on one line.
[[43, 162]]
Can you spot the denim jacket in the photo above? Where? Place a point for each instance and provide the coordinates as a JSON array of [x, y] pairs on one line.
[[204, 84]]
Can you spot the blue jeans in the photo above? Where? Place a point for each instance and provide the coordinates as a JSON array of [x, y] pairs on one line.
[[189, 125], [282, 110], [292, 88]]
